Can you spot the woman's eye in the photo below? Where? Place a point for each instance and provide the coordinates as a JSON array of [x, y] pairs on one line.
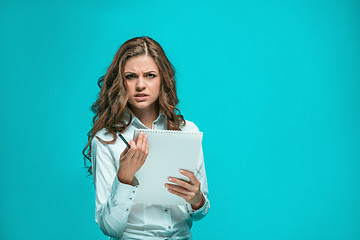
[[151, 75], [130, 76]]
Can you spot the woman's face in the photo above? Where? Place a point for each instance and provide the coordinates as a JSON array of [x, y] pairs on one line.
[[143, 82]]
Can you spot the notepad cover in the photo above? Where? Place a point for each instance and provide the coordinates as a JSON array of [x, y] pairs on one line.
[[169, 151]]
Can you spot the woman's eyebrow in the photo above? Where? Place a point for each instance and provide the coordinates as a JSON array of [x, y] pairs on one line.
[[145, 72]]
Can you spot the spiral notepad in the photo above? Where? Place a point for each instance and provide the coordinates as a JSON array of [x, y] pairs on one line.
[[169, 151]]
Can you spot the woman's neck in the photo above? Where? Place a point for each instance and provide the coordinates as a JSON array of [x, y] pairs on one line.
[[147, 116]]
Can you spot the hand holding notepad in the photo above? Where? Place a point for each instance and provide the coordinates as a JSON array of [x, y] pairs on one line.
[[169, 151]]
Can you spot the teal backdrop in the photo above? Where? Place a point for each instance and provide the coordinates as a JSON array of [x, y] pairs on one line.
[[274, 86]]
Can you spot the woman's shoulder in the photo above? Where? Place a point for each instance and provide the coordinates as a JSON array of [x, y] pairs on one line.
[[189, 127], [103, 134]]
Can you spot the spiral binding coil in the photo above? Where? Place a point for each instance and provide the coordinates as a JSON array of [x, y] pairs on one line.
[[166, 131]]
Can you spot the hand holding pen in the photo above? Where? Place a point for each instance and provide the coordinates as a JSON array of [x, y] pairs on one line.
[[132, 158]]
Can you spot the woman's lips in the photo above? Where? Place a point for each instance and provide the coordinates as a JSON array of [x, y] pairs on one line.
[[141, 98]]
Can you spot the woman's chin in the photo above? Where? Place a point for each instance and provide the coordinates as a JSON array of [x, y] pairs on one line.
[[141, 105]]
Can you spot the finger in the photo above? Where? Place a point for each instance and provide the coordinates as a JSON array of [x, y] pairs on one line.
[[141, 155], [125, 151], [144, 149], [179, 194], [138, 145], [131, 151], [190, 175], [182, 183], [179, 189], [146, 154], [139, 137], [145, 143]]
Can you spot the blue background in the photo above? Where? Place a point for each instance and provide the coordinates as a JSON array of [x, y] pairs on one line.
[[274, 86]]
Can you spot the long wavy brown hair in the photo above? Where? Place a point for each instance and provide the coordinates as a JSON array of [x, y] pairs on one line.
[[111, 107]]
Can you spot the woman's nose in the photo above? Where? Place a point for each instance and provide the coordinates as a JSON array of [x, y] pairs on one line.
[[140, 83]]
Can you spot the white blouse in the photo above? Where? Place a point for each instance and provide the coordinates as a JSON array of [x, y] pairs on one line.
[[115, 211]]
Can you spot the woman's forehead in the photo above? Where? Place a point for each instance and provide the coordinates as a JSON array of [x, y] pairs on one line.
[[142, 63]]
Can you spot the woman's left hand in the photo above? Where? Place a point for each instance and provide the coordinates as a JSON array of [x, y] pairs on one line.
[[190, 191]]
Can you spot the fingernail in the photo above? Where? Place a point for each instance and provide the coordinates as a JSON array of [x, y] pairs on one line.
[[181, 170], [166, 185], [170, 179]]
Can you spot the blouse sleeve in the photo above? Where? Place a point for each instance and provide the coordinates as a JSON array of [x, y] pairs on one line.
[[200, 174], [113, 198]]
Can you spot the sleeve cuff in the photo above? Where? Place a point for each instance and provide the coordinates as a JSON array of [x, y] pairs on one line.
[[200, 210], [123, 193]]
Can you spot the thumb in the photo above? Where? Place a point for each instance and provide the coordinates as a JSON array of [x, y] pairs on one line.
[[132, 145], [125, 150]]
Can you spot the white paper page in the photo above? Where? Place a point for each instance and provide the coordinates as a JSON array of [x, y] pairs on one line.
[[169, 151]]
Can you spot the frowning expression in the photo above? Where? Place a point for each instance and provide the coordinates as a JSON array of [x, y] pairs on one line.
[[143, 82]]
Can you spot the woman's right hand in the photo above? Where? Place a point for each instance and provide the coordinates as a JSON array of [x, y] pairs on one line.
[[131, 160]]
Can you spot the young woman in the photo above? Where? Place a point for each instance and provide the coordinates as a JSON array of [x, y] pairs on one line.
[[138, 91]]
